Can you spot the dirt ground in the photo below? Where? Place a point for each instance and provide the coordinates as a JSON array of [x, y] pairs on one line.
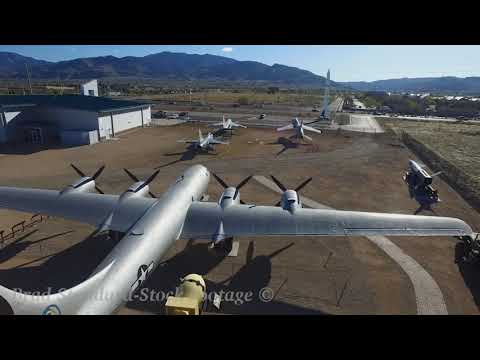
[[327, 275]]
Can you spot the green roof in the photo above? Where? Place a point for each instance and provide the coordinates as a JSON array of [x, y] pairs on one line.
[[79, 102]]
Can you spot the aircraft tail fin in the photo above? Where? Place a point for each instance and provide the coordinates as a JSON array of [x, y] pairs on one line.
[[69, 301], [326, 96]]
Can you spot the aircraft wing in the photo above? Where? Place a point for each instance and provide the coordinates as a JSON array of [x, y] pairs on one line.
[[215, 141], [238, 125], [88, 208], [188, 141], [204, 218], [216, 124], [309, 128], [287, 127]]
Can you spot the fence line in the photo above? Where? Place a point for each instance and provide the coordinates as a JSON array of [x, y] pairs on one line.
[[458, 179]]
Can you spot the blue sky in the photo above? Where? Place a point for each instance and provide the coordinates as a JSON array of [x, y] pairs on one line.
[[347, 62]]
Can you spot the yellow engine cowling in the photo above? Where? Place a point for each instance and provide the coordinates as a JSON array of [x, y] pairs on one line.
[[190, 297]]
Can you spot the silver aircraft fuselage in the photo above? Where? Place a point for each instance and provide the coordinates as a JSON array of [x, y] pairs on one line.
[[145, 244], [205, 143]]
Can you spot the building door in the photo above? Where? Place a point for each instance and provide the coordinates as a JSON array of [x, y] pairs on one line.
[[33, 136]]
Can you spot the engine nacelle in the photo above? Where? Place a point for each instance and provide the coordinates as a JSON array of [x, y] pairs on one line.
[[137, 189], [290, 200], [228, 197], [84, 184]]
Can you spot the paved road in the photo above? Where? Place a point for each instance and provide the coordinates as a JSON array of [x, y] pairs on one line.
[[363, 123], [358, 104], [428, 296], [429, 118]]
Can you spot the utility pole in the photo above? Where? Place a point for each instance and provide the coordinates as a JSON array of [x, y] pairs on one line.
[[29, 82]]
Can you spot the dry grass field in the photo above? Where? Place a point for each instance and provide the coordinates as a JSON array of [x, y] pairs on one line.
[[249, 97], [458, 143]]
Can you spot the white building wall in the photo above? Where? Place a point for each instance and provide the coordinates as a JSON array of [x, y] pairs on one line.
[[147, 115], [105, 126], [125, 121], [90, 88]]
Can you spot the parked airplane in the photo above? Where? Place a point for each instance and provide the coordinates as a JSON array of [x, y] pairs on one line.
[[227, 125], [326, 97], [300, 128], [420, 186], [204, 143], [150, 226]]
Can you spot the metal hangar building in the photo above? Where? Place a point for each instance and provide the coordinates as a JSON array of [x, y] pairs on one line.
[[67, 119]]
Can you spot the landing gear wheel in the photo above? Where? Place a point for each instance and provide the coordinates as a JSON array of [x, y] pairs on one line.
[[223, 247]]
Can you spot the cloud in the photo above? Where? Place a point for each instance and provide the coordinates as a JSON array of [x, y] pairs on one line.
[[227, 49]]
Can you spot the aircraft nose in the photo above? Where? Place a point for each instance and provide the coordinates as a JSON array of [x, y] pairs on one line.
[[202, 169]]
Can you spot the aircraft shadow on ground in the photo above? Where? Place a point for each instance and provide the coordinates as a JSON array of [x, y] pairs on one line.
[[287, 144], [190, 154], [469, 272], [63, 269], [17, 246], [69, 267], [197, 258]]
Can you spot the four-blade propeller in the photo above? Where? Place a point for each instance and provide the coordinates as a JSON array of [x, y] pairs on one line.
[[93, 177], [144, 183], [237, 188], [283, 188]]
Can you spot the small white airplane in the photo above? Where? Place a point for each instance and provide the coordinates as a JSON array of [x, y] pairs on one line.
[[300, 128], [204, 143], [150, 226], [228, 124]]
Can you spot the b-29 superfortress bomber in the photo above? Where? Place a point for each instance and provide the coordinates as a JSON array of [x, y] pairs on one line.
[[149, 227]]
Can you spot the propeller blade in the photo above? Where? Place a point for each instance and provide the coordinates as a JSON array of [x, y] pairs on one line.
[[243, 182], [220, 181], [279, 184], [98, 172], [79, 172], [133, 177], [153, 176], [302, 185], [98, 189]]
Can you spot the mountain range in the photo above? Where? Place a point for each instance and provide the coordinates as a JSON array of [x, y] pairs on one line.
[[446, 84], [163, 66], [169, 66]]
